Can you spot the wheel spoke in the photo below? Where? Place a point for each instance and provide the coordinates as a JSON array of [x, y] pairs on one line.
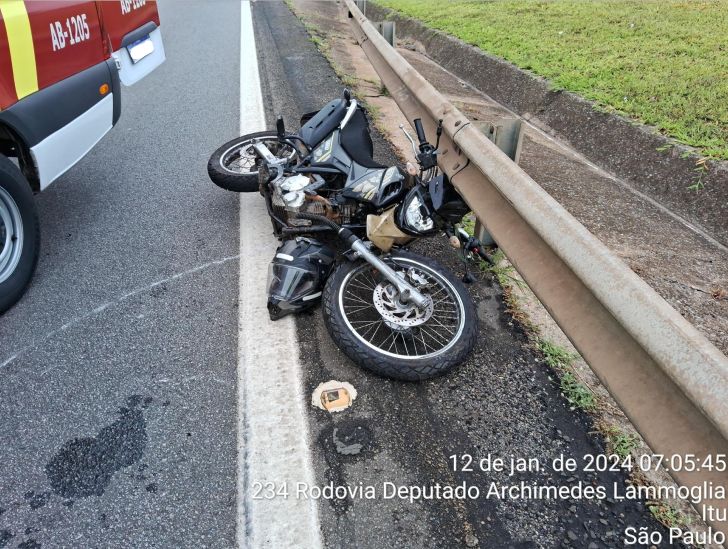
[[445, 317], [404, 342], [434, 335], [441, 325], [361, 286], [355, 297], [371, 328], [394, 340], [360, 308], [364, 323], [393, 335], [368, 305], [439, 291], [381, 323], [371, 277], [427, 349]]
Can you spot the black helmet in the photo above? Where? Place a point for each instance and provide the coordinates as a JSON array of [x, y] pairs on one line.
[[296, 276]]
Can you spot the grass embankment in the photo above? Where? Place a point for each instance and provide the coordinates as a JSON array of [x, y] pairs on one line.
[[661, 62]]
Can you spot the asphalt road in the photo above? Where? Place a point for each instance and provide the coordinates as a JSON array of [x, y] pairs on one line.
[[117, 426], [118, 412]]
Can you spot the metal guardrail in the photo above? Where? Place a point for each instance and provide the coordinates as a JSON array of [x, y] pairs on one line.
[[667, 377]]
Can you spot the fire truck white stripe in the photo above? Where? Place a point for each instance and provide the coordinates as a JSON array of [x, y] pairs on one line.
[[58, 152], [272, 429]]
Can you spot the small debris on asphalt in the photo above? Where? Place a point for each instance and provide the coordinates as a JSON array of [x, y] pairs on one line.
[[333, 396]]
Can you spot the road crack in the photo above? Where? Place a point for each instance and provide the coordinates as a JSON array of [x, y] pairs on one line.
[[110, 304]]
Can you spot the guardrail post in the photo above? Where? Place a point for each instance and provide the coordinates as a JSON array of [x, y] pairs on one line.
[[387, 30], [507, 135]]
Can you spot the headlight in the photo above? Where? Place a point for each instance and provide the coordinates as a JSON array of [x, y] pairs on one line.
[[416, 215]]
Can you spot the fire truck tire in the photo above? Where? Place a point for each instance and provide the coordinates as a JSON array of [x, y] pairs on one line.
[[19, 234]]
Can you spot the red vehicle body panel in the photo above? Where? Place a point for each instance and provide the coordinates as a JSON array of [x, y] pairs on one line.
[[124, 16], [55, 63], [70, 36], [8, 96]]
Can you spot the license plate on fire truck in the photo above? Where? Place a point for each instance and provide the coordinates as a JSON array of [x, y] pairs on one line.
[[140, 49]]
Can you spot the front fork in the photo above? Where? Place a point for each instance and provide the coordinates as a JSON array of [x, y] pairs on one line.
[[273, 163], [407, 291]]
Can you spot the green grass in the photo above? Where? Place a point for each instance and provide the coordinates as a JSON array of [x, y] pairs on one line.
[[661, 62], [576, 393], [555, 356], [560, 360], [668, 515], [621, 443]]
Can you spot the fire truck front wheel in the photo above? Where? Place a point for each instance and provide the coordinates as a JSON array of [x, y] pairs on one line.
[[19, 234]]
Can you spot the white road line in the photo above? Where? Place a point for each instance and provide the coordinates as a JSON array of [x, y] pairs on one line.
[[272, 429]]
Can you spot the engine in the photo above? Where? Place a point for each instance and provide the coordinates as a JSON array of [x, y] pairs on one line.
[[289, 198]]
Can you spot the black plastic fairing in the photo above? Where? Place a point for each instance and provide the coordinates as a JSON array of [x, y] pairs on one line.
[[381, 187], [446, 201], [357, 142], [320, 126], [422, 195]]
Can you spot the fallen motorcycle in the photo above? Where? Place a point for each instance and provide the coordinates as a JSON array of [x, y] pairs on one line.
[[394, 312]]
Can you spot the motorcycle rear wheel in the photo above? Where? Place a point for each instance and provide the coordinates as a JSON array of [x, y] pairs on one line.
[[232, 166], [400, 342]]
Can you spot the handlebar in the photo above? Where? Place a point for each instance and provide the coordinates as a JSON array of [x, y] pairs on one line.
[[420, 131]]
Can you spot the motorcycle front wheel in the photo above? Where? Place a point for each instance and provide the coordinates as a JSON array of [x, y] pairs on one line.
[[368, 322], [233, 165]]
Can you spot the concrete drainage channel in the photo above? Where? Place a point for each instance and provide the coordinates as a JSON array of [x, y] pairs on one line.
[[642, 350], [637, 153]]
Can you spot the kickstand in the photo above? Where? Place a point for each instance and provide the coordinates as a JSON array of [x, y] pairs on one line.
[[467, 277]]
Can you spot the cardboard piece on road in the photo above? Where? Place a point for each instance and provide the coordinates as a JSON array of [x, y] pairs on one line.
[[333, 396]]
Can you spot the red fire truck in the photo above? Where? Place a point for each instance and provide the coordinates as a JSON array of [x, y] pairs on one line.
[[62, 63]]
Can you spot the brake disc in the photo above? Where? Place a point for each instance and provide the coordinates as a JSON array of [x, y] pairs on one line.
[[398, 315]]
